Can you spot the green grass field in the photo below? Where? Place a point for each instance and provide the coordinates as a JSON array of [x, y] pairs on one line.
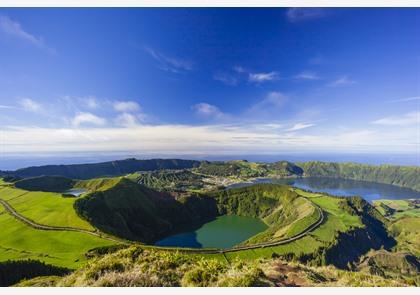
[[336, 220], [406, 230], [44, 208], [395, 209], [61, 248]]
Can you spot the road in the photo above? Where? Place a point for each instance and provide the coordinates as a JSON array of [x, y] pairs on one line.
[[35, 225], [264, 245]]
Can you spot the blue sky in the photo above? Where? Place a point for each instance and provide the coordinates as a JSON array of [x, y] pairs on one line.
[[210, 81]]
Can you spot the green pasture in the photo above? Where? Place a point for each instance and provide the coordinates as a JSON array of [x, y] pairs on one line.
[[19, 241], [44, 207]]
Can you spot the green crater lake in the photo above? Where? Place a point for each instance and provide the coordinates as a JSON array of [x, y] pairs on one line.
[[223, 232]]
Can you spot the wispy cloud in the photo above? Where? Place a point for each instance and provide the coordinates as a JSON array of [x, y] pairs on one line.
[[300, 126], [262, 77], [240, 73], [307, 75], [126, 120], [268, 106], [226, 79], [15, 29], [406, 99], [83, 118], [30, 105], [6, 107], [342, 81], [91, 102], [239, 69], [126, 106], [411, 118], [204, 139], [208, 111], [170, 64], [300, 14], [317, 60]]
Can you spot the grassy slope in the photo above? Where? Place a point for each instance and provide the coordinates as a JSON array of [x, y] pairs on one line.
[[44, 208], [404, 225], [45, 183], [406, 230], [405, 176], [135, 212], [337, 220], [98, 184], [397, 208], [138, 267], [286, 213], [19, 241], [112, 168]]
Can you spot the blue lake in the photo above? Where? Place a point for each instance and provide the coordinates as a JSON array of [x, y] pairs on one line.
[[342, 187], [223, 232]]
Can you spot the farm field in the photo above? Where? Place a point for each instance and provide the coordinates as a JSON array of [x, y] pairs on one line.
[[19, 241], [44, 207]]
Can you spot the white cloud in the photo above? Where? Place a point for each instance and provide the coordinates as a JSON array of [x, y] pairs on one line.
[[87, 118], [239, 69], [263, 77], [412, 118], [126, 106], [207, 110], [91, 102], [13, 28], [300, 14], [269, 106], [6, 107], [406, 99], [307, 75], [206, 139], [300, 126], [126, 120], [342, 81], [170, 64], [30, 105], [226, 79]]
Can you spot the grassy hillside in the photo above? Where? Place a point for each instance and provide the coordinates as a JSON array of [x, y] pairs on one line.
[[139, 267], [247, 169], [286, 213], [113, 168], [45, 183], [19, 241], [404, 223], [406, 231], [405, 176], [167, 180], [44, 207], [136, 212], [395, 209], [351, 228], [388, 264]]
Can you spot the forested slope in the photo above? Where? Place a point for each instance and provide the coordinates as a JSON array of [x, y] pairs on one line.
[[113, 168], [405, 176]]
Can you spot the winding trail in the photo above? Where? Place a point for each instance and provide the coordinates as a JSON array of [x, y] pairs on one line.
[[38, 226], [262, 245]]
